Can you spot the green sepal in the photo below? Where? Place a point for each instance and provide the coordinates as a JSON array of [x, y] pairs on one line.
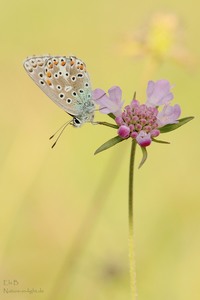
[[159, 141], [111, 115], [108, 124], [170, 127], [117, 139], [134, 96], [144, 156]]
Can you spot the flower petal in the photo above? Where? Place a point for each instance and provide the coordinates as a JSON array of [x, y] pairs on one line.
[[100, 98], [150, 88], [97, 94], [168, 115], [115, 94], [111, 104], [158, 93]]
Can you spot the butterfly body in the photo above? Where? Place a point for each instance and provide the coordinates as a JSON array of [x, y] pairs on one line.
[[66, 82]]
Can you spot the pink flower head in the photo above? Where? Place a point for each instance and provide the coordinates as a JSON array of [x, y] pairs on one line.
[[142, 122], [158, 93], [169, 115], [139, 122], [109, 104]]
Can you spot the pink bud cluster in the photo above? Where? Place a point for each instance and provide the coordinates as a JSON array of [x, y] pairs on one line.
[[139, 122]]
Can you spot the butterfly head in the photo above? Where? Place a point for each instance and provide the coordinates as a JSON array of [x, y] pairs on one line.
[[84, 118]]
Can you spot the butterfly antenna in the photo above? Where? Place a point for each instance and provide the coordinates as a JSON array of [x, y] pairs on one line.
[[62, 128], [59, 129]]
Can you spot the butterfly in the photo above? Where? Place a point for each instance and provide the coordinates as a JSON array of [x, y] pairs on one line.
[[65, 81]]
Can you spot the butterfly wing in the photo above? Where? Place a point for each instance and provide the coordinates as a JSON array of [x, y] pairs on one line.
[[63, 79]]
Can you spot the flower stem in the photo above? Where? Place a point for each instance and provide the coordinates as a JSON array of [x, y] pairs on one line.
[[131, 225]]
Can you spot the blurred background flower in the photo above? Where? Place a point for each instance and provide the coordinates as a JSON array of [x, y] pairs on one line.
[[162, 38]]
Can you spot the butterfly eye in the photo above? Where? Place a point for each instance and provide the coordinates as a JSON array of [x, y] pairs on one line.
[[76, 122], [58, 87], [86, 84], [89, 96], [60, 73], [67, 74], [74, 94], [69, 100], [40, 74], [81, 91], [56, 75], [61, 95]]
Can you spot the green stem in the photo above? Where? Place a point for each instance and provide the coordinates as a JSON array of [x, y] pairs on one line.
[[131, 225]]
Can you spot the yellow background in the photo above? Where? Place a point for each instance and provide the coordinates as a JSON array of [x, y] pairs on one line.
[[63, 212]]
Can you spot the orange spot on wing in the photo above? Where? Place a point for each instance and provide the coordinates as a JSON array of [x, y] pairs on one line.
[[48, 82], [63, 63], [48, 74], [55, 63], [50, 66]]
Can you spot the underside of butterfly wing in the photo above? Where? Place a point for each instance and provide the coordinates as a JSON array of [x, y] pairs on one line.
[[65, 81]]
